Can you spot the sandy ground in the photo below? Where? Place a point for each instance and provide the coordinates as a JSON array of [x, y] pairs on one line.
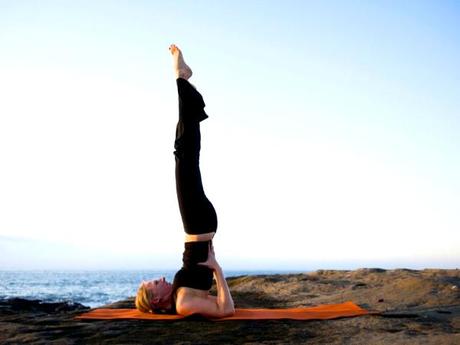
[[417, 306]]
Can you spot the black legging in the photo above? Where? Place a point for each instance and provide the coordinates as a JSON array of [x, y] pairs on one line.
[[198, 214]]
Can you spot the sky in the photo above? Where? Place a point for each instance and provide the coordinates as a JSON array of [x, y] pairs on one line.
[[332, 139]]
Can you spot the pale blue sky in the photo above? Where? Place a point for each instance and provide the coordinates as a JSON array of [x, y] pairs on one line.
[[332, 141]]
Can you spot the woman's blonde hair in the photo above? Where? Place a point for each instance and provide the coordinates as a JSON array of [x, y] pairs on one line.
[[142, 300]]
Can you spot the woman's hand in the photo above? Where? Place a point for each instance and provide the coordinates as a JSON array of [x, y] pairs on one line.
[[211, 262]]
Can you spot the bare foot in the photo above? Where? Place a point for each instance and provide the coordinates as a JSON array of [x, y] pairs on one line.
[[180, 67]]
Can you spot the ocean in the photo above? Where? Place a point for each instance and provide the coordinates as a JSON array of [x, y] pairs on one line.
[[90, 288]]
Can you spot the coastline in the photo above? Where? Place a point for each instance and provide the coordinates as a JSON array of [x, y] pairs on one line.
[[417, 306], [92, 288]]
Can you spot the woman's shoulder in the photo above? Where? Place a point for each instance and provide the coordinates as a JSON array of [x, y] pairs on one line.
[[184, 294], [191, 301], [188, 292]]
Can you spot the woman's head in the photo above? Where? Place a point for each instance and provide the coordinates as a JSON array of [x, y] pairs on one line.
[[154, 296]]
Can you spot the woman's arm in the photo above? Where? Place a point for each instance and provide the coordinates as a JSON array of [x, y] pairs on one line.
[[224, 298], [210, 306]]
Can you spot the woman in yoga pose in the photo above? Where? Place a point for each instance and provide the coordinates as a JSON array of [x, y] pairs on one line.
[[189, 293]]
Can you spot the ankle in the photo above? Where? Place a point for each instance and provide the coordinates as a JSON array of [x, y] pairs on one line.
[[183, 75]]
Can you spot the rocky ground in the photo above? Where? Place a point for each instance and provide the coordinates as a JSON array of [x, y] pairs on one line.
[[418, 307]]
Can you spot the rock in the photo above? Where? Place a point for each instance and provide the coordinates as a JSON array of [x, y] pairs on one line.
[[410, 313], [20, 304], [359, 285]]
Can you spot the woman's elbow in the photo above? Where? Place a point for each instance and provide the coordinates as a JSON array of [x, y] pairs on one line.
[[230, 311], [223, 312]]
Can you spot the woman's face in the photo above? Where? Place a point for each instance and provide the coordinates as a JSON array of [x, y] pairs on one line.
[[161, 291]]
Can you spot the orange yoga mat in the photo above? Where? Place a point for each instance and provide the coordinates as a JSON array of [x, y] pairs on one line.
[[325, 311]]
